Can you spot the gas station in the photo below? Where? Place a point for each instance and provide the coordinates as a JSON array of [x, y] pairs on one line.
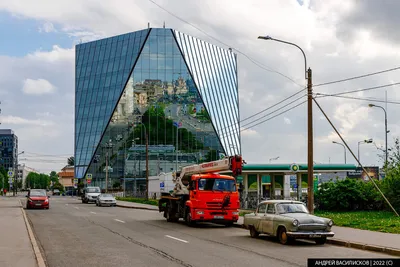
[[281, 181]]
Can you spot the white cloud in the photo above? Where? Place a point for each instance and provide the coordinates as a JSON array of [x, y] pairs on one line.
[[47, 27], [287, 120], [14, 120], [58, 54], [37, 87]]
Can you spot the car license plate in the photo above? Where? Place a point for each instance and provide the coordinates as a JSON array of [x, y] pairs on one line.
[[38, 204], [218, 217], [315, 235]]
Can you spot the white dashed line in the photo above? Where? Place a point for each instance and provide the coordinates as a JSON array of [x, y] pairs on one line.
[[66, 204], [119, 221], [93, 212], [76, 208], [184, 241]]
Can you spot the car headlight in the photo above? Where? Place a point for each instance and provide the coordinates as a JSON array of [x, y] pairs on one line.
[[200, 212], [295, 223], [330, 223]]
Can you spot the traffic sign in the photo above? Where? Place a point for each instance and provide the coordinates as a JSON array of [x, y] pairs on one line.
[[10, 173], [162, 185]]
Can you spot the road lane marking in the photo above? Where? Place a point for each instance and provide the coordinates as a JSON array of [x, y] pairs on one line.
[[184, 241], [119, 221], [93, 212], [76, 208], [66, 204]]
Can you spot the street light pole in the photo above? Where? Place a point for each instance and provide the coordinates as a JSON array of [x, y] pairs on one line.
[[386, 132], [310, 154], [15, 191], [343, 148], [367, 141], [147, 160]]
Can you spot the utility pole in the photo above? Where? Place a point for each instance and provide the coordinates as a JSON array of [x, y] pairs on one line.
[[310, 163], [147, 167], [308, 76]]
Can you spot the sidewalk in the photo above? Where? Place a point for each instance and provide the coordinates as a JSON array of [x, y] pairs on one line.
[[15, 244], [344, 236]]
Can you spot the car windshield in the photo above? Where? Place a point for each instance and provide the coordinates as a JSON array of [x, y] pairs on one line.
[[291, 208], [37, 193], [211, 184], [106, 195], [93, 190]]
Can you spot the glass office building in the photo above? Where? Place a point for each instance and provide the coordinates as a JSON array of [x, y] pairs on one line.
[[175, 91]]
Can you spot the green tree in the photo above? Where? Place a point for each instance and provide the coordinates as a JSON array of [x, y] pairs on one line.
[[212, 155], [59, 186], [71, 161], [54, 177]]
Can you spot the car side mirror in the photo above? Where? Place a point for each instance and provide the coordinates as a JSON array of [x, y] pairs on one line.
[[26, 196]]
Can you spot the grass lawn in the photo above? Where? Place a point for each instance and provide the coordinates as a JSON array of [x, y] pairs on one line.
[[380, 221], [138, 200]]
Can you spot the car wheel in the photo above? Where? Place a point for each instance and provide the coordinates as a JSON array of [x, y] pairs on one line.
[[228, 224], [253, 232], [282, 236], [320, 241]]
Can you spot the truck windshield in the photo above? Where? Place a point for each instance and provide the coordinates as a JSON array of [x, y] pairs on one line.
[[93, 190], [217, 185]]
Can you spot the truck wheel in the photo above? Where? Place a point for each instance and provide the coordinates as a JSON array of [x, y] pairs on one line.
[[171, 217], [188, 218]]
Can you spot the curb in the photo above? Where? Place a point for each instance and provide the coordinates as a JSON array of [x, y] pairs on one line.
[[133, 207], [374, 248], [349, 244], [38, 254]]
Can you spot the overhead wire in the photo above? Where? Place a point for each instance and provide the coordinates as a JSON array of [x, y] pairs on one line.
[[320, 95], [257, 113], [357, 77], [362, 90], [221, 42], [251, 126]]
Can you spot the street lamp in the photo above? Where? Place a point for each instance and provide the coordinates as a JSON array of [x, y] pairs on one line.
[[147, 160], [310, 156], [344, 150], [368, 141], [386, 131]]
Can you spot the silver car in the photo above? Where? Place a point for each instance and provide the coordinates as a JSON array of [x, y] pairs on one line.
[[106, 200], [287, 220]]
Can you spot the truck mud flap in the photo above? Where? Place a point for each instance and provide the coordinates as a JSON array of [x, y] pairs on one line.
[[162, 205]]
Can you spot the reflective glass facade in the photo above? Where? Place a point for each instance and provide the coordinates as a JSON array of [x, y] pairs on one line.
[[179, 92]]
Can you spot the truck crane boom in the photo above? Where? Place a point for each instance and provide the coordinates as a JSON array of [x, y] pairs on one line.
[[232, 163]]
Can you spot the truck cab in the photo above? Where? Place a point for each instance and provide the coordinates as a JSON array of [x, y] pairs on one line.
[[90, 194]]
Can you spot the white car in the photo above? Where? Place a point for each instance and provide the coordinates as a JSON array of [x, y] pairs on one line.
[[106, 200], [90, 194]]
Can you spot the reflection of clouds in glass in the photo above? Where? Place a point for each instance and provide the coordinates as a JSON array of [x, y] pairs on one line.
[[214, 71]]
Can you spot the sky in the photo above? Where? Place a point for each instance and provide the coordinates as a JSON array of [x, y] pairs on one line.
[[339, 38]]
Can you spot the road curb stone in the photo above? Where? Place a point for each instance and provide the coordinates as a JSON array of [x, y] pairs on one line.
[[36, 250], [135, 207]]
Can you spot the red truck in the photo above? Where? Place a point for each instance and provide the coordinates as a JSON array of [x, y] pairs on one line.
[[201, 194]]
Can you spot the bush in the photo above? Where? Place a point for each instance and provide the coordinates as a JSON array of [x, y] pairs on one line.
[[348, 195]]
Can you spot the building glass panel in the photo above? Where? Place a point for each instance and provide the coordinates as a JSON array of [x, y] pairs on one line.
[[175, 96]]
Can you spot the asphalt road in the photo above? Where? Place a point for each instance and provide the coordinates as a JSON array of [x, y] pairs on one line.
[[76, 234]]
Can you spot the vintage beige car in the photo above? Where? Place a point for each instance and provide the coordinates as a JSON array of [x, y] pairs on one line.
[[287, 220]]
